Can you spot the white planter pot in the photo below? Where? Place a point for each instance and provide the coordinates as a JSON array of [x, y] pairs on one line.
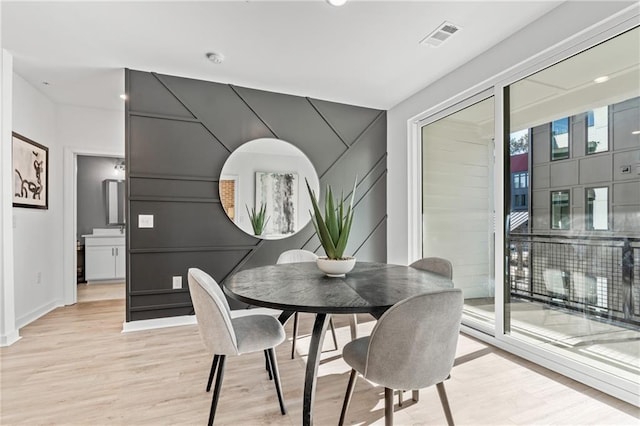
[[335, 268]]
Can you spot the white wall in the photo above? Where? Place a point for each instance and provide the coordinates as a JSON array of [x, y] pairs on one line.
[[565, 22], [44, 271], [37, 233]]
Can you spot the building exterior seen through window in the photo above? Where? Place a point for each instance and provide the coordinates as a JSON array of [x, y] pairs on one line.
[[597, 216], [560, 139]]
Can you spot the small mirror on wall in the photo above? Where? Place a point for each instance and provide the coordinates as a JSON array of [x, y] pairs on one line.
[[262, 188], [114, 193]]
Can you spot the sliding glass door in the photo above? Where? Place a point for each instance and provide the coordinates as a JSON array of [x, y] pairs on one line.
[[574, 235], [458, 202], [568, 205]]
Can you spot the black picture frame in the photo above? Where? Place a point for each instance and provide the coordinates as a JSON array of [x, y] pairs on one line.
[[30, 165]]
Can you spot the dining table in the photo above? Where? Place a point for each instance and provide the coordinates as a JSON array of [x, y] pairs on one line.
[[371, 288]]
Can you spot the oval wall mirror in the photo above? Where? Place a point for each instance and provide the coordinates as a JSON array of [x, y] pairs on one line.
[[262, 188]]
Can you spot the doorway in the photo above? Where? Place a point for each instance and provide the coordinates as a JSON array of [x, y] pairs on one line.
[[101, 166]]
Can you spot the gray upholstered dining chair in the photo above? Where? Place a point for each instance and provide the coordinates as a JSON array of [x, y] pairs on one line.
[[437, 265], [298, 256], [400, 357], [223, 335]]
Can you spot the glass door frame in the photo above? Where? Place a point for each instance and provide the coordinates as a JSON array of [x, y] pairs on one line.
[[430, 119], [497, 86]]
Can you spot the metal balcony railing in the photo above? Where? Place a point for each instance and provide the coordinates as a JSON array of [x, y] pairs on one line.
[[597, 275]]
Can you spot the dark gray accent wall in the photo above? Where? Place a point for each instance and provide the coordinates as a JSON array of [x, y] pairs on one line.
[[179, 133], [92, 208]]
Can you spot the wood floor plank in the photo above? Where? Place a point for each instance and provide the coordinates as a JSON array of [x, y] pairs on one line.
[[75, 367]]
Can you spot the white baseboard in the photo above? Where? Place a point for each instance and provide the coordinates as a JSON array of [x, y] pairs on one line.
[[30, 317], [150, 324], [9, 339]]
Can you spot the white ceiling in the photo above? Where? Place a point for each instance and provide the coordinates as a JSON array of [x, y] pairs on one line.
[[364, 53]]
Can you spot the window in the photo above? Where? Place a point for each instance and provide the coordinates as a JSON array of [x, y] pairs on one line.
[[560, 216], [560, 139], [521, 200], [598, 130], [521, 180], [597, 209]]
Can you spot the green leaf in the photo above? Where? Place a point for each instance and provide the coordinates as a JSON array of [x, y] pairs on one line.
[[334, 228]]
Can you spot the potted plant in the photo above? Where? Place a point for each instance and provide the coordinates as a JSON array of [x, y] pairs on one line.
[[257, 218], [333, 231]]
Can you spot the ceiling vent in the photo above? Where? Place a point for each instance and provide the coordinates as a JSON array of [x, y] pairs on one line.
[[440, 34]]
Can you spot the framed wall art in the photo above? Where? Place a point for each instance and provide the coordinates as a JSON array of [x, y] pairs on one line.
[[279, 192], [30, 162]]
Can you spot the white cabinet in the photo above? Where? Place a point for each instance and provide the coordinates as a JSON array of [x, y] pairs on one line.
[[104, 257]]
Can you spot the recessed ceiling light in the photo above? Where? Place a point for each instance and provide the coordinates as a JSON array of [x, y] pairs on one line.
[[336, 2], [214, 57], [123, 96], [601, 79], [636, 132]]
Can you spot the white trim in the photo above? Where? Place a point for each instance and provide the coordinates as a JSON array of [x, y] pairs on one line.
[[9, 333], [38, 312], [9, 339], [70, 221], [152, 324]]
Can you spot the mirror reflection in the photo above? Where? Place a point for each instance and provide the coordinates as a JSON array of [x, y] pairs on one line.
[[114, 192], [262, 188]]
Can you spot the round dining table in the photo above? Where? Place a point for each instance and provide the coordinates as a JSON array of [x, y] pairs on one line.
[[301, 287]]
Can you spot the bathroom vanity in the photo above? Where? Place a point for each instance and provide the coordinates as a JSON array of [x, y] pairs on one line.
[[105, 255]]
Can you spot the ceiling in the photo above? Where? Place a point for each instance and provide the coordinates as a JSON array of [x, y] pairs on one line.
[[364, 53]]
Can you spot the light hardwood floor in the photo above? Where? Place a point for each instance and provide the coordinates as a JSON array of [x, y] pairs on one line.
[[74, 366]]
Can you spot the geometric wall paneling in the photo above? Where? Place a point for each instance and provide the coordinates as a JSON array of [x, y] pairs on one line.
[[375, 245], [360, 158], [369, 213], [174, 167], [159, 311], [162, 147], [347, 120], [145, 188], [185, 225], [151, 269], [218, 107], [294, 120], [146, 95]]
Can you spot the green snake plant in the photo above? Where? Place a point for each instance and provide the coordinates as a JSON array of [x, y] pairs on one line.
[[257, 219], [332, 229]]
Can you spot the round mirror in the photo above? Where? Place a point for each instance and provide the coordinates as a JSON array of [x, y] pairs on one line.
[[263, 191]]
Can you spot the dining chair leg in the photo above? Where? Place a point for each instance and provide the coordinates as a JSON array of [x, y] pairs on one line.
[[276, 379], [445, 403], [415, 395], [295, 335], [214, 364], [400, 398], [347, 396], [353, 326], [388, 407], [267, 364], [333, 333], [216, 389]]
